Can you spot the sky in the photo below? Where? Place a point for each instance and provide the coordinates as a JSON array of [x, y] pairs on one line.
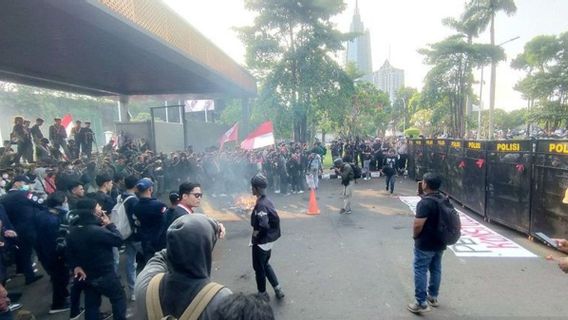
[[398, 29]]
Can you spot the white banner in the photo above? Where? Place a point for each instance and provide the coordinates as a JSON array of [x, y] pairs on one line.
[[477, 240], [199, 105]]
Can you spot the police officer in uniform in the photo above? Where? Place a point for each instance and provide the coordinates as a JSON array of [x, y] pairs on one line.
[[266, 230], [150, 213], [21, 207]]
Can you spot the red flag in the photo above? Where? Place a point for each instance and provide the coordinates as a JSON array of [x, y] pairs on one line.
[[231, 135], [67, 123], [261, 137]]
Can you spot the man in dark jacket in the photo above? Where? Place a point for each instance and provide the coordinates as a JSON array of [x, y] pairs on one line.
[[90, 246], [187, 267], [266, 230], [347, 177], [104, 182], [150, 212], [21, 207], [133, 246], [75, 192], [51, 253]]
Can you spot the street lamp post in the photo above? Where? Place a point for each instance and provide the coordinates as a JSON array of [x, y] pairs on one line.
[[493, 84]]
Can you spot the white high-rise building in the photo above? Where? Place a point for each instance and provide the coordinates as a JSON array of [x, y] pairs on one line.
[[359, 49], [388, 79]]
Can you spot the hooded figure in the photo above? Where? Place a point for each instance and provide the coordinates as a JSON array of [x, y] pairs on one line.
[[187, 266]]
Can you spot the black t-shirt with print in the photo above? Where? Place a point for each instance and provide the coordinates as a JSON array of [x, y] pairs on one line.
[[428, 239]]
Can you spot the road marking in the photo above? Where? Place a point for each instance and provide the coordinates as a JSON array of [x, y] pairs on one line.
[[477, 240]]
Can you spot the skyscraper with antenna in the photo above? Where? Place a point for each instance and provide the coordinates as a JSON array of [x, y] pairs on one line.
[[359, 49]]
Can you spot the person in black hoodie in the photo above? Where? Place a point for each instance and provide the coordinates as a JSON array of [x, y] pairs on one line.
[[90, 254], [266, 230], [186, 264], [49, 223]]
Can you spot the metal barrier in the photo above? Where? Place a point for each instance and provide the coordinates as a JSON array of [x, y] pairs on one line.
[[439, 154], [520, 184], [419, 160], [474, 176], [453, 183], [509, 172], [411, 160], [549, 213]]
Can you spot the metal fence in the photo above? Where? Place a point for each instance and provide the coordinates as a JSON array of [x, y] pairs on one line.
[[519, 184]]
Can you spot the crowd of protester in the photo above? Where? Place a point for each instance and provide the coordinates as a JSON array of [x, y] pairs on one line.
[[56, 201]]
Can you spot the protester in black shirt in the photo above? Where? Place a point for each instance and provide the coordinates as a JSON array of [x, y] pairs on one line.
[[104, 182], [428, 247]]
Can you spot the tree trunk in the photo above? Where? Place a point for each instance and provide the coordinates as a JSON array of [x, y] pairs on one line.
[[493, 81]]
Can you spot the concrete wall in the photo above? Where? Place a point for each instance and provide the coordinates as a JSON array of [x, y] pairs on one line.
[[136, 130], [169, 136], [203, 135]]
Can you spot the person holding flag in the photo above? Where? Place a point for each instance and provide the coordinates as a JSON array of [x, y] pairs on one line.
[[231, 135]]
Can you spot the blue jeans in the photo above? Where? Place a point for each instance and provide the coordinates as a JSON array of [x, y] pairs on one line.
[[132, 248], [425, 261], [390, 180]]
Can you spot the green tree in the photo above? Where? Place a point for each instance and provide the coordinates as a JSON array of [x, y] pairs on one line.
[[405, 105], [288, 47], [545, 86], [482, 14], [448, 83]]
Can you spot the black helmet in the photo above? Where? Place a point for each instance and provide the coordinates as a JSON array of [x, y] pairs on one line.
[[337, 162], [259, 181]]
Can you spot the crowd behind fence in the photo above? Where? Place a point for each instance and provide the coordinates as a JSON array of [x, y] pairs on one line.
[[521, 184]]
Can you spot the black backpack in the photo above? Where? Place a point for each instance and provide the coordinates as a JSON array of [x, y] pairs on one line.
[[356, 171], [449, 224]]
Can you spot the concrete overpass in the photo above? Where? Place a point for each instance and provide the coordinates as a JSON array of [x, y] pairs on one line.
[[113, 47]]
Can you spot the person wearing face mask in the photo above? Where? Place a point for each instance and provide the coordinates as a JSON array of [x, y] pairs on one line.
[[50, 224], [21, 207]]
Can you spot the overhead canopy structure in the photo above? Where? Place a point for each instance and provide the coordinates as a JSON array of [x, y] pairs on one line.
[[113, 47]]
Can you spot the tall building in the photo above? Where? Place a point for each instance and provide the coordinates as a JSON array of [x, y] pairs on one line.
[[359, 49], [388, 79]]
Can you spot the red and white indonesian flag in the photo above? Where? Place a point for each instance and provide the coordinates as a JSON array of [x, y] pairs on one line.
[[67, 123], [261, 137], [231, 135]]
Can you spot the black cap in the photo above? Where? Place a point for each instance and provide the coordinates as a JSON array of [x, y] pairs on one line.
[[22, 178]]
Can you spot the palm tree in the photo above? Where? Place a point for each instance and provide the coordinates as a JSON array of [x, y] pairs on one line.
[[483, 13]]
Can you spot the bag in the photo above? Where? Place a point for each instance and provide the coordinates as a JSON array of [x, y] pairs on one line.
[[357, 174], [449, 224], [120, 218], [192, 312]]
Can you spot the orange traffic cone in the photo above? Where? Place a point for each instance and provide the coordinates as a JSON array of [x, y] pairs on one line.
[[313, 208]]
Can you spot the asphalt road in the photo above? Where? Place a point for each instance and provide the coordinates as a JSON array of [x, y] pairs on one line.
[[359, 266]]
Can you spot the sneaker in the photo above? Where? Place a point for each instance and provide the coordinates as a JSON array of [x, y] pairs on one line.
[[433, 301], [264, 296], [15, 306], [348, 212], [105, 315], [342, 211], [59, 309], [77, 316], [416, 308], [276, 191], [279, 294], [133, 297], [301, 191]]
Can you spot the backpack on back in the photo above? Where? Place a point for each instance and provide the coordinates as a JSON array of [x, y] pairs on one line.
[[356, 171], [192, 312], [449, 224], [120, 218]]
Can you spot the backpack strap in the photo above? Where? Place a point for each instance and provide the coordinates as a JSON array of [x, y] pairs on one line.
[[200, 302], [154, 308]]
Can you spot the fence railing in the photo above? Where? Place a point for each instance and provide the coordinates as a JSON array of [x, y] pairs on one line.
[[520, 184]]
